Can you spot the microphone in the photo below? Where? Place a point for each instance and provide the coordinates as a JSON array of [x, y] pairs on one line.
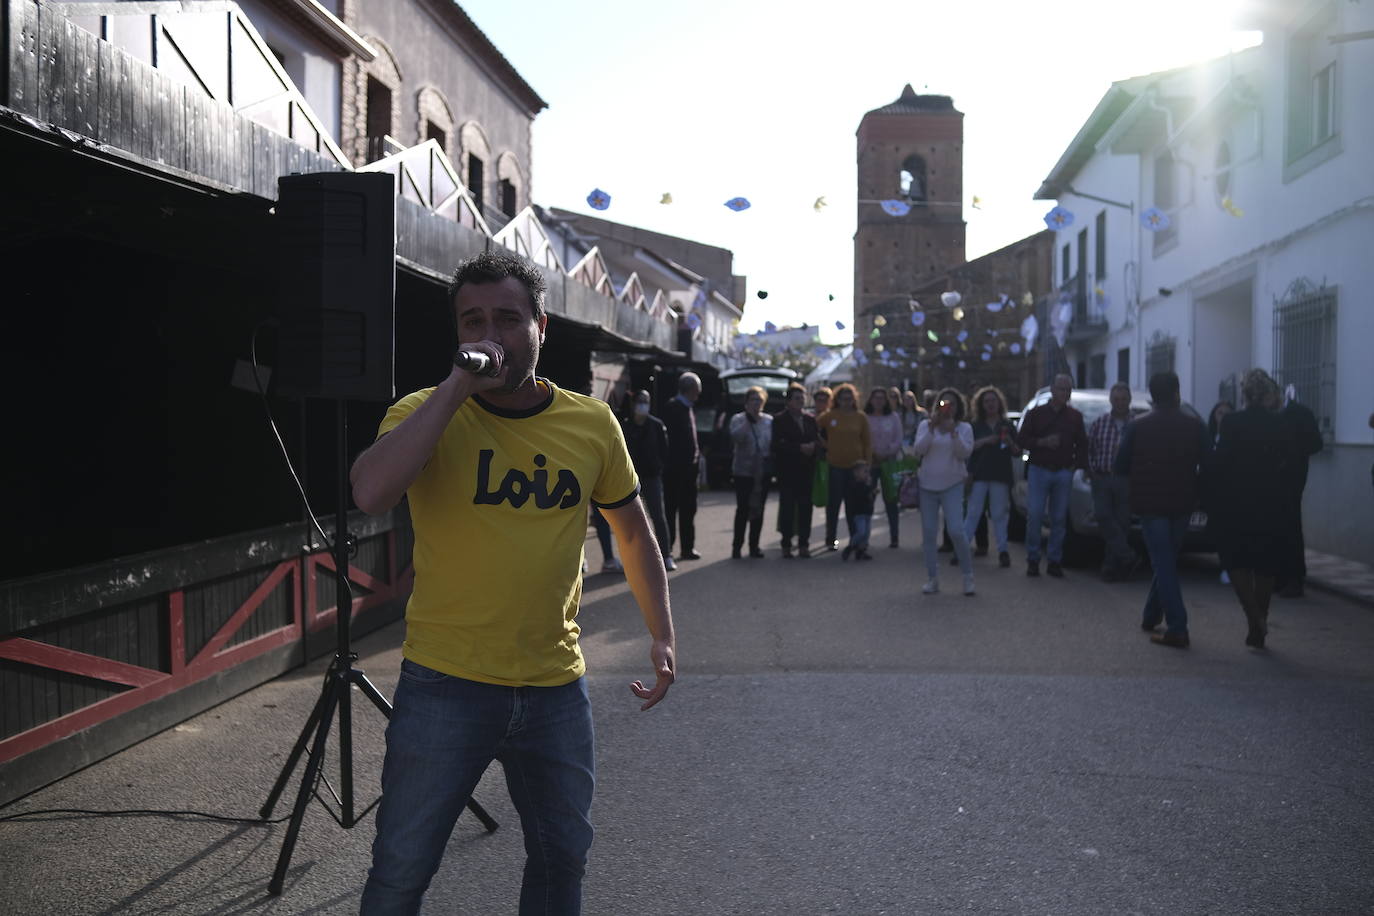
[[477, 362]]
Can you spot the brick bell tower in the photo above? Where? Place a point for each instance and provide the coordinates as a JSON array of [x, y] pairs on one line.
[[910, 151]]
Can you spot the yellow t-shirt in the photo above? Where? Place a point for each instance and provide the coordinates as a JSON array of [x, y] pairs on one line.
[[500, 517]]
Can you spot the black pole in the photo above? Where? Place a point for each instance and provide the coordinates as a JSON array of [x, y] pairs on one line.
[[344, 608]]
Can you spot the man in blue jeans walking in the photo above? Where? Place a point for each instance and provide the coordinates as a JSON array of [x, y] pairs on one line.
[[1057, 443], [1161, 454], [499, 469]]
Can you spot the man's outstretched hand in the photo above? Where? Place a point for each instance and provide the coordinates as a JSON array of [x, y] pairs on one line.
[[662, 656]]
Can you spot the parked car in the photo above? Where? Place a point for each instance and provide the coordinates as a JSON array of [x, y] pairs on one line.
[[734, 383], [1083, 538]]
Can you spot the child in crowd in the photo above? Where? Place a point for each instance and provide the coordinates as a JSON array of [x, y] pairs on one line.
[[858, 505]]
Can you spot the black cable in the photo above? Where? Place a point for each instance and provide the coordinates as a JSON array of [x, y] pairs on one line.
[[144, 812], [267, 408]]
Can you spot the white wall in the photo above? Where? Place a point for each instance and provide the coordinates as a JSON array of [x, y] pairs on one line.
[[315, 70]]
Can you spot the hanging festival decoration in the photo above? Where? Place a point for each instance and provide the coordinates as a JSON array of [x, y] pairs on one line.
[[878, 348], [896, 207], [993, 306], [1155, 219], [880, 321], [958, 313], [985, 356], [699, 300], [737, 204], [1060, 318], [962, 364], [666, 198], [874, 334], [1016, 348], [977, 202], [769, 327], [831, 297], [946, 351], [859, 358], [933, 336], [918, 319], [1059, 218], [950, 299], [839, 325], [1030, 329], [1230, 207], [598, 199], [694, 321], [1027, 299], [819, 205], [762, 294], [962, 336]]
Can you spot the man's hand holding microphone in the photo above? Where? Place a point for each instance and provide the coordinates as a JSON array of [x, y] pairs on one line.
[[480, 364]]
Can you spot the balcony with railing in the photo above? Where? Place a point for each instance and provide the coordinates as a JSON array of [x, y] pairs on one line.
[[1089, 320]]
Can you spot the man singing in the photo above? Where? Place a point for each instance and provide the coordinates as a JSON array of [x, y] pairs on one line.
[[499, 470]]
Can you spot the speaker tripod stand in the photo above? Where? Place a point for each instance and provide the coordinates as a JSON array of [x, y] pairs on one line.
[[335, 696]]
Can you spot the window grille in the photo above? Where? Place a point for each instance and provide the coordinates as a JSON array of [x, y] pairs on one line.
[[1305, 349], [1159, 357]]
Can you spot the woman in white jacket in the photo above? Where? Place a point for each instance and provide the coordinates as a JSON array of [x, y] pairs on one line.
[[944, 443]]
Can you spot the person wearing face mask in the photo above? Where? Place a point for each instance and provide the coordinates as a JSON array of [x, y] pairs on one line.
[[646, 438], [751, 433]]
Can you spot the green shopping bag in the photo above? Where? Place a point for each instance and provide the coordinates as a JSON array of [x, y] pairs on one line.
[[893, 471], [820, 483]]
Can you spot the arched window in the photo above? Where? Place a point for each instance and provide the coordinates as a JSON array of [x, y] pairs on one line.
[[913, 179]]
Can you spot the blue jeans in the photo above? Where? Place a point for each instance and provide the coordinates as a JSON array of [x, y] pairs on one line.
[[1112, 507], [1053, 486], [838, 486], [444, 732], [998, 496], [1163, 539], [950, 500]]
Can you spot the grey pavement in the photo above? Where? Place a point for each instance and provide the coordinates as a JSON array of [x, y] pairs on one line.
[[837, 743]]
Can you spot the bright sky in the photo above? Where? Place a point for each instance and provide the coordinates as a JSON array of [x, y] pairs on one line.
[[715, 99]]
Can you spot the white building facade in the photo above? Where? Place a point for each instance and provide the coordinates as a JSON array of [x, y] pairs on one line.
[[1262, 166]]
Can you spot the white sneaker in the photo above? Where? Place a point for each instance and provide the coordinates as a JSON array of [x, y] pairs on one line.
[[931, 588], [668, 564], [612, 566], [968, 584]]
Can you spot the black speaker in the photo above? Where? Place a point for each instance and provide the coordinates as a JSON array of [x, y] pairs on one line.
[[336, 291]]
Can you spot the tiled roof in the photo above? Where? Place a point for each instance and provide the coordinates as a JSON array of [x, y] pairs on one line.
[[911, 103]]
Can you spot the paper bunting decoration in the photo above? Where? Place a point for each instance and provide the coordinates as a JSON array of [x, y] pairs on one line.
[[874, 334], [1029, 329], [985, 356], [666, 199], [1155, 219], [1230, 207], [819, 204], [958, 313], [598, 199], [737, 204], [694, 321], [921, 352], [987, 347], [1100, 296], [900, 352], [762, 294], [859, 358], [1059, 218], [993, 306], [961, 336], [769, 327], [830, 297], [977, 202], [896, 207], [699, 299], [918, 318], [821, 353], [933, 336], [962, 364], [839, 325], [1027, 299], [950, 299], [913, 305], [946, 350], [878, 348], [880, 321]]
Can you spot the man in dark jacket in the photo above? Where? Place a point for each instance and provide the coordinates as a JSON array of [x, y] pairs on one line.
[[683, 465], [796, 440], [1307, 441], [646, 439], [1160, 454], [1054, 436]]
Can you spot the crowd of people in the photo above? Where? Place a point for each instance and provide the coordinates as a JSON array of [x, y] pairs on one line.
[[1246, 468]]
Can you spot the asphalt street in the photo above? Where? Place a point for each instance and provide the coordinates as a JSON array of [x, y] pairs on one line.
[[836, 743]]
